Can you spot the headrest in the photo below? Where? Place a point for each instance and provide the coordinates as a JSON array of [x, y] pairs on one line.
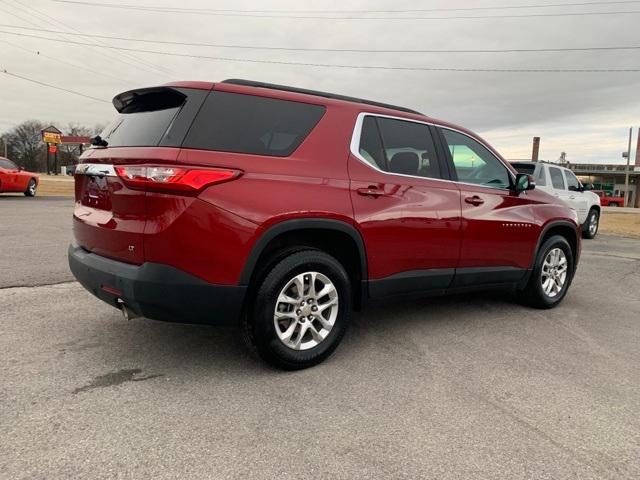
[[406, 163]]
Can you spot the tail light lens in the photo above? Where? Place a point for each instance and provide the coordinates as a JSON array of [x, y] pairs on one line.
[[162, 178]]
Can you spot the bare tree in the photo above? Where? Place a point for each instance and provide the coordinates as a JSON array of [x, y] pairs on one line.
[[25, 146]]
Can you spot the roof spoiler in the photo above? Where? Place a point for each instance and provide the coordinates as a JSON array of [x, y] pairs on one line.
[[148, 100]]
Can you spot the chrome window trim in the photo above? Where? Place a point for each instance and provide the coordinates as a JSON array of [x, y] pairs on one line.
[[96, 169], [355, 149]]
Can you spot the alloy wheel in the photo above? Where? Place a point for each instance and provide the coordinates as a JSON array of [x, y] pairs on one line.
[[306, 310], [554, 272]]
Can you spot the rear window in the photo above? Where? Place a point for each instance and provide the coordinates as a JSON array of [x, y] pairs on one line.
[[524, 168], [144, 117], [232, 122]]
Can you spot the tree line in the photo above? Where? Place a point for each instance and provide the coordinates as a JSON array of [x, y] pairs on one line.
[[24, 144]]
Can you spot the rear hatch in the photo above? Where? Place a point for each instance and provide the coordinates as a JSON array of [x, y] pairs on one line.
[[111, 206]]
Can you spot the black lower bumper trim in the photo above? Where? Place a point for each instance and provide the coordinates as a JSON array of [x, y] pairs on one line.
[[156, 291]]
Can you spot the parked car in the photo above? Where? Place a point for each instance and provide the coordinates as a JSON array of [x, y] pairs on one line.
[[281, 210], [608, 200], [15, 179], [564, 185]]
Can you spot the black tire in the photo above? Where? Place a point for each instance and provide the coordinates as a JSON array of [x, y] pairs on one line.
[[613, 204], [533, 294], [588, 232], [31, 189], [260, 330]]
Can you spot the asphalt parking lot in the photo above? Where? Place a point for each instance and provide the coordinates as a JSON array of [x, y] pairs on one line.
[[473, 387]]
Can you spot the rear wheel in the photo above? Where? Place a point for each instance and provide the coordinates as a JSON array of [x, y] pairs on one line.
[[31, 189], [301, 310], [552, 274], [591, 224]]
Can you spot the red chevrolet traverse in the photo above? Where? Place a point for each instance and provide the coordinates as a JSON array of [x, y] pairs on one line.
[[281, 210]]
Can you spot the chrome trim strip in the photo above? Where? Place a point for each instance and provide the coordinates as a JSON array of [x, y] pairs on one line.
[[96, 170], [355, 150]]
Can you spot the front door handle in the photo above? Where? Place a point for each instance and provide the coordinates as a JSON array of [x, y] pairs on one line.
[[475, 200], [370, 191]]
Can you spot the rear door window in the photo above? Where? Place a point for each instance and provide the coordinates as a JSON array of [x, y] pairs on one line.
[[557, 179], [232, 122], [541, 177], [399, 146]]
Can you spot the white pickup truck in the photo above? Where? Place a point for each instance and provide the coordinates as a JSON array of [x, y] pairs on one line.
[[562, 183]]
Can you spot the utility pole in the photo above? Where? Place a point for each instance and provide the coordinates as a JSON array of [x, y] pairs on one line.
[[626, 170]]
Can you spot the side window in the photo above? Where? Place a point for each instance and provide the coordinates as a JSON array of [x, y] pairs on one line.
[[7, 164], [541, 177], [474, 163], [557, 179], [409, 148], [399, 146], [572, 181], [371, 144], [231, 122]]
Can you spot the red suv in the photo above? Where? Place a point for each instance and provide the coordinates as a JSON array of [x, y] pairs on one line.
[[281, 210]]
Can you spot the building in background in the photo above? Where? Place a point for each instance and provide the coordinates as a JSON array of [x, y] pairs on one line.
[[610, 178]]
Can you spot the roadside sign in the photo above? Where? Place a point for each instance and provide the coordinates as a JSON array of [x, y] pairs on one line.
[[51, 138], [51, 135]]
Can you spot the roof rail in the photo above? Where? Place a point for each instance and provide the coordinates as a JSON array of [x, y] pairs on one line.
[[251, 83]]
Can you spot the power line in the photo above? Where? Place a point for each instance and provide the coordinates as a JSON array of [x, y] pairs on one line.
[[134, 61], [27, 20], [343, 50], [416, 10], [59, 60], [316, 17], [15, 75], [132, 57], [350, 66]]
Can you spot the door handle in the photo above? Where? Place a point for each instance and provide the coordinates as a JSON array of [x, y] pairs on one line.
[[475, 200], [370, 191]]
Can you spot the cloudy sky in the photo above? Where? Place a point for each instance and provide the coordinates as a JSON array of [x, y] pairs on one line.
[[585, 114]]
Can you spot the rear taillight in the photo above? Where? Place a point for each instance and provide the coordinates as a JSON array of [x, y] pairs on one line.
[[164, 178]]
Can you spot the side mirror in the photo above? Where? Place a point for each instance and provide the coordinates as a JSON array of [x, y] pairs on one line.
[[524, 182], [20, 169], [576, 189]]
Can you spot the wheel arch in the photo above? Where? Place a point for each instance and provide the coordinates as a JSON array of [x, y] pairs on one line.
[[563, 228], [336, 237]]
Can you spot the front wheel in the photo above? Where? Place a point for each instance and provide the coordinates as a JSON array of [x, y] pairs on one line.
[[301, 310], [31, 189], [552, 274], [591, 224]]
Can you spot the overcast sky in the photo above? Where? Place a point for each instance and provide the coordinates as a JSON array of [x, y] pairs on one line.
[[585, 114]]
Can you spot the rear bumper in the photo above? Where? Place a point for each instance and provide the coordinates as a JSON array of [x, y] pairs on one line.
[[156, 291]]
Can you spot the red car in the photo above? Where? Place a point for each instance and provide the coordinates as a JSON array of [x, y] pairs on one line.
[[15, 179], [607, 200], [281, 210]]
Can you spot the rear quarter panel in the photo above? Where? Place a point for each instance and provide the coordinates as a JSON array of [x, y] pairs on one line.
[[311, 183]]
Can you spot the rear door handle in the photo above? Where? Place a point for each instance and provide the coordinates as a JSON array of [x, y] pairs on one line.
[[370, 191], [475, 200]]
